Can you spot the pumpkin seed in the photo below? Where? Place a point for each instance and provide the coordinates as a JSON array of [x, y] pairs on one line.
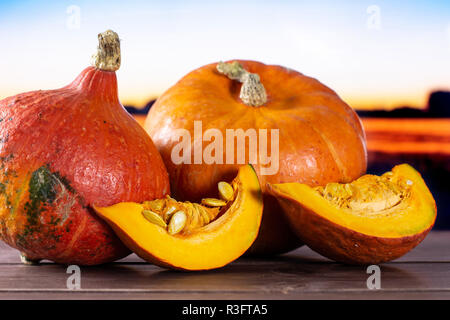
[[169, 211], [154, 218], [177, 222], [202, 212], [212, 202], [226, 191]]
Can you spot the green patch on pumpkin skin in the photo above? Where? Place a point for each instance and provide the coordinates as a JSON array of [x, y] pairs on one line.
[[43, 189], [42, 194]]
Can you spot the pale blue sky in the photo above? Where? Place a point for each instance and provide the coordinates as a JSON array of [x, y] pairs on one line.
[[396, 61]]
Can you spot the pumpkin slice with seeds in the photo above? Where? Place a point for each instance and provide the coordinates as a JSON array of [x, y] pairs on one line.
[[374, 219], [192, 236]]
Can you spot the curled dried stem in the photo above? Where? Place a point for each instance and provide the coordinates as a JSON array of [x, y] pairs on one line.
[[252, 92]]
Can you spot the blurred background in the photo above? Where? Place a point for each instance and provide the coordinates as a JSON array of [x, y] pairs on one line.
[[389, 61]]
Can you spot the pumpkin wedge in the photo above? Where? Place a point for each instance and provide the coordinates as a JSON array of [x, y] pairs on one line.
[[371, 220], [215, 244]]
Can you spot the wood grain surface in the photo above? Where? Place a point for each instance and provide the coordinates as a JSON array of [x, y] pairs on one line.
[[424, 273]]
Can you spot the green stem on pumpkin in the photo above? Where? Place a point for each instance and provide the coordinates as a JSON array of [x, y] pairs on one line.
[[252, 92]]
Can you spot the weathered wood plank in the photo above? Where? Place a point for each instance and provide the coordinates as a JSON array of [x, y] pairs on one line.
[[244, 279], [246, 275], [302, 274], [286, 276]]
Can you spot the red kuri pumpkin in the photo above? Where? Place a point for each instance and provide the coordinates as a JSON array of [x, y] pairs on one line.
[[321, 138], [64, 150]]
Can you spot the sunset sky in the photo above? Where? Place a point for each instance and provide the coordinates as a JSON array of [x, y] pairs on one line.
[[374, 54]]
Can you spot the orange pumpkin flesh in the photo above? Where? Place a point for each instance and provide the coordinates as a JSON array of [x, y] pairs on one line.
[[389, 222], [321, 139], [61, 151], [211, 246]]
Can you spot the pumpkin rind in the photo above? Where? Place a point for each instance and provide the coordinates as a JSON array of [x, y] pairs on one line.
[[369, 240], [321, 137]]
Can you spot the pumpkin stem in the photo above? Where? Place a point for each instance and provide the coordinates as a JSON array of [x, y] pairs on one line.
[[107, 57], [252, 90]]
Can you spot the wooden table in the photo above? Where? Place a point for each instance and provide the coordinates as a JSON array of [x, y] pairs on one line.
[[424, 273]]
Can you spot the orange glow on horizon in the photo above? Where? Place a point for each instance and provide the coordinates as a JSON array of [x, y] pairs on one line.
[[357, 102]]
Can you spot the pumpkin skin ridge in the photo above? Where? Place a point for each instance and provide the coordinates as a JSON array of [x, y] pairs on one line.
[[333, 149], [291, 135], [356, 121], [55, 102], [175, 103], [357, 128]]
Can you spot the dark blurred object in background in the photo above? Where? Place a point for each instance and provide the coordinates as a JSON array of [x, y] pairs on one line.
[[439, 104], [438, 107], [140, 111]]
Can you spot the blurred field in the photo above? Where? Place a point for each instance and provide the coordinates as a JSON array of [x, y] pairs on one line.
[[408, 135]]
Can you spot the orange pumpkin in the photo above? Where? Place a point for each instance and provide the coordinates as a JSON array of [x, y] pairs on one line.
[[321, 138], [63, 151]]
